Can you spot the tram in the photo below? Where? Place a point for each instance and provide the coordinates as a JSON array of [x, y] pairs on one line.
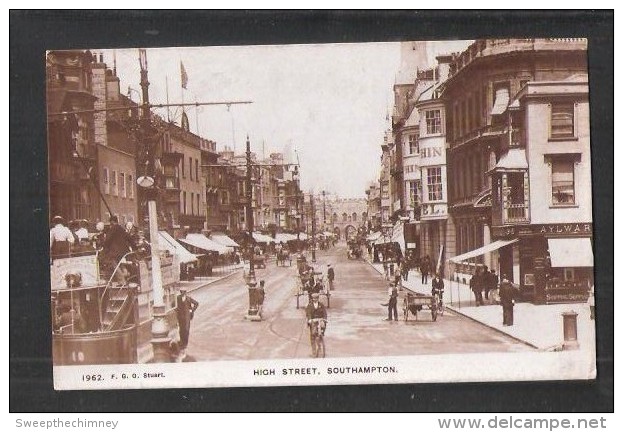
[[106, 319]]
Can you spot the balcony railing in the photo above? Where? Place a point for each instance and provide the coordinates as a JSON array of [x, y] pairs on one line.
[[516, 213]]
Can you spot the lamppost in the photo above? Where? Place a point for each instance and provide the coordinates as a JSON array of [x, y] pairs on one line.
[[159, 326], [296, 179], [313, 207], [324, 209], [253, 311]]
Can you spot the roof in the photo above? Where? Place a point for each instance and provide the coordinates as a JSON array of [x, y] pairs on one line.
[[514, 159], [414, 118]]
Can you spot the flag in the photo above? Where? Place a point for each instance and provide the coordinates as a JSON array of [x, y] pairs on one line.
[[184, 75]]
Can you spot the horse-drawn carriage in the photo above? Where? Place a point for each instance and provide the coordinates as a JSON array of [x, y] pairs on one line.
[[311, 282], [283, 256], [354, 250]]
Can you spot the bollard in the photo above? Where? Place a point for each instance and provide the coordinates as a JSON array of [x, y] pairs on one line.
[[570, 330]]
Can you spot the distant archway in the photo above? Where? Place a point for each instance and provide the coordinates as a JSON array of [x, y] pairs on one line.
[[336, 231]]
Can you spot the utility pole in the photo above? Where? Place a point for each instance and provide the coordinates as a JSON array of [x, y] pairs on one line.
[[313, 207], [159, 326], [324, 209], [253, 311]]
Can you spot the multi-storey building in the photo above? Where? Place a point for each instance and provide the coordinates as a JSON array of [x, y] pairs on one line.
[[71, 144], [385, 182], [373, 196], [116, 146], [519, 156], [432, 163]]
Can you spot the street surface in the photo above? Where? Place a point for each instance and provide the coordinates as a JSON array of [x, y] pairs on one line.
[[356, 327]]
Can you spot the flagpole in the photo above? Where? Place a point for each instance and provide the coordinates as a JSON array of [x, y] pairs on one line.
[[197, 117]]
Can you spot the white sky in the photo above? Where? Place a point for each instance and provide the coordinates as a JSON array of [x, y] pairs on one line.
[[327, 101]]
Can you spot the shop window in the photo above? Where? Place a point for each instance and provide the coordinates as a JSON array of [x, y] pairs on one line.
[[562, 120]]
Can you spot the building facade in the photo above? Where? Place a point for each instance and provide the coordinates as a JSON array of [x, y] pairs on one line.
[[518, 146], [71, 137]]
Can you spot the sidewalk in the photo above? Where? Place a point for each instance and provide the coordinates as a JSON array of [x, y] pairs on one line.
[[540, 326], [202, 281]]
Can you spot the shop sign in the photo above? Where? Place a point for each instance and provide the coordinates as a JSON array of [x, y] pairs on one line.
[[561, 229]]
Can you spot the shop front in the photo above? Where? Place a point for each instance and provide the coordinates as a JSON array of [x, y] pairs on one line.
[[552, 263]]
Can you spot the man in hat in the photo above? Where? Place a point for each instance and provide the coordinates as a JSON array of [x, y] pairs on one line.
[[507, 299], [392, 305], [186, 307], [61, 237], [330, 276], [314, 309], [116, 244]]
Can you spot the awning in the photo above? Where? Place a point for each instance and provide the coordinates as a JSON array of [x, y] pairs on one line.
[[373, 236], [202, 242], [261, 238], [501, 101], [165, 241], [570, 252], [482, 250], [398, 235], [223, 239], [303, 236], [284, 237], [514, 159]]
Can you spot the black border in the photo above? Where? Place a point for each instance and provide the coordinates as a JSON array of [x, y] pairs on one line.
[[32, 32]]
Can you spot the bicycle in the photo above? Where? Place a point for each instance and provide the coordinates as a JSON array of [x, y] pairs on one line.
[[441, 307], [317, 329]]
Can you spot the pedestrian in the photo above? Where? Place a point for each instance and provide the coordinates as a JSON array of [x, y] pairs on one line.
[[185, 310], [485, 278], [392, 304], [398, 279], [494, 291], [330, 276], [61, 238], [385, 271], [507, 298], [405, 270], [425, 269], [475, 284]]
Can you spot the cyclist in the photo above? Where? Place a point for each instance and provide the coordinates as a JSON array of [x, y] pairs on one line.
[[437, 289], [315, 310]]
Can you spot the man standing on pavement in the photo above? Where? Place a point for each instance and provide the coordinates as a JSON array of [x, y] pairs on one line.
[[425, 269], [475, 284], [485, 279], [507, 298], [330, 276], [186, 307], [392, 305]]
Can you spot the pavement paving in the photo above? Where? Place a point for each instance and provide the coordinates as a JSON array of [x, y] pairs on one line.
[[540, 326]]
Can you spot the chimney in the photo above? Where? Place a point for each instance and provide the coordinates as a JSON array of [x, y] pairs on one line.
[[444, 66]]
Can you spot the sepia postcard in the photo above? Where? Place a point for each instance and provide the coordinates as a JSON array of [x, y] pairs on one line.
[[283, 215]]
